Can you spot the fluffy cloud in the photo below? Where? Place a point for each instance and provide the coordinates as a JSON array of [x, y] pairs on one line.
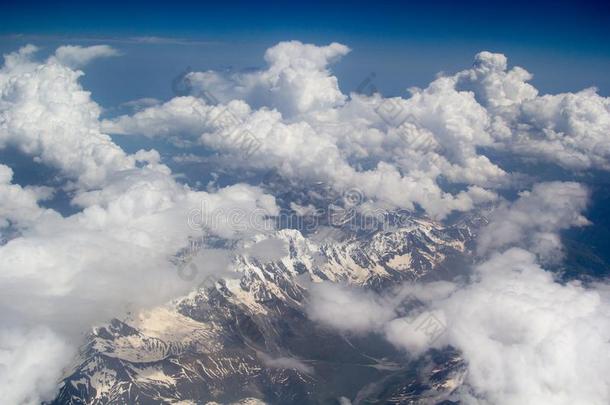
[[296, 150], [296, 115], [525, 337], [434, 132], [438, 133], [534, 220], [29, 359], [398, 314], [569, 129], [296, 81], [349, 309], [180, 120], [497, 88], [19, 205], [44, 112], [61, 275]]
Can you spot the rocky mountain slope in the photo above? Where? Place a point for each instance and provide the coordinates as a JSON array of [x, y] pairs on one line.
[[247, 339]]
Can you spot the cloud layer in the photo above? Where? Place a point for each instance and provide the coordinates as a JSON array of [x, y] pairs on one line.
[[398, 151], [526, 337], [534, 220], [61, 275]]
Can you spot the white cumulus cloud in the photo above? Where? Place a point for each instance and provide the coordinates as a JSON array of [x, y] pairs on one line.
[[60, 275]]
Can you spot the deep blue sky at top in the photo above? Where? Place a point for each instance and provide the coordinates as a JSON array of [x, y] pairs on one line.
[[565, 44]]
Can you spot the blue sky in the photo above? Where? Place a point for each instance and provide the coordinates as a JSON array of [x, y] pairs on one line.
[[405, 44]]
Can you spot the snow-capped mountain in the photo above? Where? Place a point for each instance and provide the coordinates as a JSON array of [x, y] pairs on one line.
[[248, 340]]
